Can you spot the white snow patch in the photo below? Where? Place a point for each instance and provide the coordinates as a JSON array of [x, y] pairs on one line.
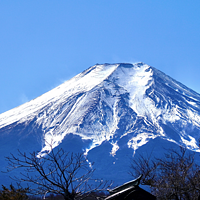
[[194, 117], [191, 143], [140, 140], [138, 80], [115, 148], [172, 114]]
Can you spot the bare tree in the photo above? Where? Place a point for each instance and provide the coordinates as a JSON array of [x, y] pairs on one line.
[[58, 172], [173, 177], [144, 165]]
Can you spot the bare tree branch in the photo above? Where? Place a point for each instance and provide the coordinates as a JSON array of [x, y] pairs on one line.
[[58, 172], [175, 176]]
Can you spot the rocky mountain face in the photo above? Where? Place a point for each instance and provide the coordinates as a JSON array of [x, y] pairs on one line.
[[109, 111]]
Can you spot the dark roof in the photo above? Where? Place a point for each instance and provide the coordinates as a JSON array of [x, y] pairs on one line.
[[130, 191], [126, 185]]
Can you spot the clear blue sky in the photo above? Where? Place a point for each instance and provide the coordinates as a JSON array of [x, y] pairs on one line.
[[45, 42]]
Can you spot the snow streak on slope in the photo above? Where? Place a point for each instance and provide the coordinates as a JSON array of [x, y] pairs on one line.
[[80, 83], [133, 81], [123, 104], [49, 108]]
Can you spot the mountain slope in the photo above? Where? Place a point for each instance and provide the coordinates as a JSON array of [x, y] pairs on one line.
[[111, 110]]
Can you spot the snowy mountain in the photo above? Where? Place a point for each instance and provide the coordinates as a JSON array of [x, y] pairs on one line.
[[110, 112]]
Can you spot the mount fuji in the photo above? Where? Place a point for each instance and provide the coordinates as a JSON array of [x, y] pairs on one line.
[[110, 112]]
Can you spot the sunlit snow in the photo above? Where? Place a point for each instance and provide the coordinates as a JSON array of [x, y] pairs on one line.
[[89, 105]]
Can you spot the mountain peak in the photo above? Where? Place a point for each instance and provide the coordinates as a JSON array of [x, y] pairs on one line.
[[113, 107], [128, 65], [145, 92]]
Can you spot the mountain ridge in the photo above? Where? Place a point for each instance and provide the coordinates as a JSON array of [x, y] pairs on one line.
[[112, 108], [140, 85]]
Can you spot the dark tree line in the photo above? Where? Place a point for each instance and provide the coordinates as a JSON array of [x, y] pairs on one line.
[[59, 172], [13, 194], [176, 176]]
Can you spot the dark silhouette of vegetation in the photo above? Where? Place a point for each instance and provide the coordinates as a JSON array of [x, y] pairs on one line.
[[13, 193], [176, 176], [91, 196], [58, 172]]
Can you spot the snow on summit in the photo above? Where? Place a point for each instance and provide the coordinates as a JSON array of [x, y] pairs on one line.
[[133, 103], [81, 82], [110, 112]]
